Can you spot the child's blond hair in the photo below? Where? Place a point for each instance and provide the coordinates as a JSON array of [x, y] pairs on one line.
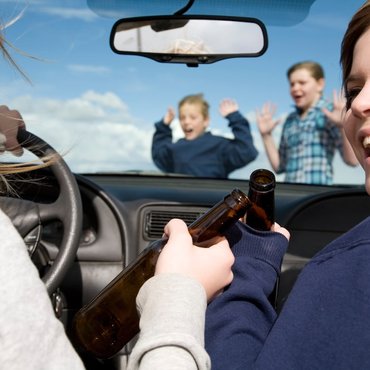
[[196, 99]]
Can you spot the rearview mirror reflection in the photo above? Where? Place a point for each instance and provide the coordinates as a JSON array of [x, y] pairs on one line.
[[189, 39]]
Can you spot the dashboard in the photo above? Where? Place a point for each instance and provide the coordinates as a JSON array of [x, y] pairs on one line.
[[123, 213]]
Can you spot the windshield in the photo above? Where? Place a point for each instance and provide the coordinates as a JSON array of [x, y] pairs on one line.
[[98, 108]]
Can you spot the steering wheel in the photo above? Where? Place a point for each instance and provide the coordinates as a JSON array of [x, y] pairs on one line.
[[28, 216]]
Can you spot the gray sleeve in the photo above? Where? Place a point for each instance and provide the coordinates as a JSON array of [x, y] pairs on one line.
[[172, 308], [31, 337]]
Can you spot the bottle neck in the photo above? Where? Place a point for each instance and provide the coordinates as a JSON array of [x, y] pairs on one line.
[[261, 193]]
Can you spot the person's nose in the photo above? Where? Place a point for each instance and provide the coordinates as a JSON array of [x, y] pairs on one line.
[[361, 103], [293, 88], [185, 121]]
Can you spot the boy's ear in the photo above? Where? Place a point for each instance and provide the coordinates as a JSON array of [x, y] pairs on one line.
[[321, 83], [206, 122]]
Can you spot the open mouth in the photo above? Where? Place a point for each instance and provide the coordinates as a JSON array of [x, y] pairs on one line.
[[298, 98]]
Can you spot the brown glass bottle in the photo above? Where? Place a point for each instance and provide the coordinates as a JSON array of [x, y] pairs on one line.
[[110, 320], [261, 216]]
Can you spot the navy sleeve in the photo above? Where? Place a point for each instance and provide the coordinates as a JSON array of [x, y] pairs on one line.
[[239, 320], [241, 150], [161, 147]]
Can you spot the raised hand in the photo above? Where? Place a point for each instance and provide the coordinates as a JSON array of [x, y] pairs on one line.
[[169, 116], [228, 106], [336, 116], [265, 118]]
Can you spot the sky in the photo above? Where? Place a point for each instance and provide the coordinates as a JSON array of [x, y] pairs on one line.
[[99, 108]]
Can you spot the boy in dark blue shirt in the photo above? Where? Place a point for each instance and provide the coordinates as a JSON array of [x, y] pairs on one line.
[[200, 153]]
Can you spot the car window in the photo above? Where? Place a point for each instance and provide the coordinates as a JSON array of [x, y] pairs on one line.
[[98, 108]]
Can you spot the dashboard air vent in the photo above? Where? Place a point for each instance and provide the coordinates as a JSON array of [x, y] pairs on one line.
[[155, 220]]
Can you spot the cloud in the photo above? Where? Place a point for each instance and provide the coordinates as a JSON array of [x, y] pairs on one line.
[[96, 131], [83, 68], [69, 13]]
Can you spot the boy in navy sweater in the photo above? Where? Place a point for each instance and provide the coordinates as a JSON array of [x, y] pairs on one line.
[[200, 153]]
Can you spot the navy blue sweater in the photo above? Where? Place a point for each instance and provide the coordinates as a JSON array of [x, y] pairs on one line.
[[207, 155], [325, 322]]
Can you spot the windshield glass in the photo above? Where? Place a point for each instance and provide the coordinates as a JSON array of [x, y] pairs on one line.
[[98, 108]]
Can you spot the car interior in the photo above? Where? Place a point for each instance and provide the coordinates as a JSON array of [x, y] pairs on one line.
[[83, 227]]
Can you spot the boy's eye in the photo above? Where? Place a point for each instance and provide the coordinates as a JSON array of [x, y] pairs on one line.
[[350, 95]]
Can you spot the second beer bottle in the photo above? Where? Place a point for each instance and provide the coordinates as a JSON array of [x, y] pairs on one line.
[[261, 215]]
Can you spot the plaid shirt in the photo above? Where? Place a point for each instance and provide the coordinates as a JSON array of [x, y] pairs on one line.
[[307, 146]]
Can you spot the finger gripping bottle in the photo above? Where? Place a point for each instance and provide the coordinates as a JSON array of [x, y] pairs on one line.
[[110, 320]]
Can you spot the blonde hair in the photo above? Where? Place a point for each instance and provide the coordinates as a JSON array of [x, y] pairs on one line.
[[196, 99], [4, 43], [14, 168]]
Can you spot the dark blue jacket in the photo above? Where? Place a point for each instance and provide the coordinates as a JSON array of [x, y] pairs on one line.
[[207, 155], [325, 322]]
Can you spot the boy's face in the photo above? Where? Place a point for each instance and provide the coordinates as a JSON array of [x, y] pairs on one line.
[[192, 120], [305, 89]]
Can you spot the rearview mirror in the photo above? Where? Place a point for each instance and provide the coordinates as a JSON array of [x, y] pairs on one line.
[[189, 39]]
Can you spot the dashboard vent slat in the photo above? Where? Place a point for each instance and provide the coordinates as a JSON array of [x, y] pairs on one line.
[[155, 220]]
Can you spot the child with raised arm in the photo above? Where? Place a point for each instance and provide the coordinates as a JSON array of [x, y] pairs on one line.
[[200, 153], [311, 134]]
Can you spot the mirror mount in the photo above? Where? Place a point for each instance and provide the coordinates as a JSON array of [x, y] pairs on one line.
[[185, 8]]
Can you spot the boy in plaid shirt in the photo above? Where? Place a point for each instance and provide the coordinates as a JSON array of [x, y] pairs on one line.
[[310, 134]]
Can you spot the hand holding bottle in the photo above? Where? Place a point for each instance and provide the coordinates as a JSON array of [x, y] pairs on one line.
[[110, 320], [211, 267]]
